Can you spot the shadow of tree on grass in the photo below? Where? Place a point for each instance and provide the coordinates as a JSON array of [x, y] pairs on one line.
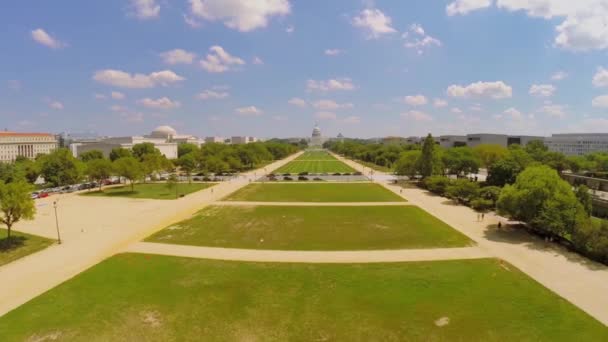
[[7, 245]]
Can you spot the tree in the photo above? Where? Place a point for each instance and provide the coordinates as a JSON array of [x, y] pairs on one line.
[[172, 183], [584, 197], [188, 163], [27, 168], [99, 170], [437, 184], [185, 148], [490, 193], [489, 153], [61, 168], [90, 155], [556, 160], [462, 190], [536, 149], [129, 168], [407, 164], [119, 152], [429, 162], [503, 172], [460, 160], [152, 163], [16, 204], [142, 149], [542, 199]]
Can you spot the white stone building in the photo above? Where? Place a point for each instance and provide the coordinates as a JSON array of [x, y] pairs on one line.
[[316, 140], [29, 145]]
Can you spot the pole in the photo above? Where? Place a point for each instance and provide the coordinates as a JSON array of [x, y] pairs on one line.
[[57, 223]]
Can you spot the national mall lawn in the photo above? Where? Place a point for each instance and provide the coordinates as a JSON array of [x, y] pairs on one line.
[[139, 297], [150, 190], [313, 228], [20, 245]]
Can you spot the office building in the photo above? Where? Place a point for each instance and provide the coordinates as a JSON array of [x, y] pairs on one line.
[[578, 144], [29, 145]]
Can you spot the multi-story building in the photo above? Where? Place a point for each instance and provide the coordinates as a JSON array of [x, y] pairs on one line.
[[448, 141], [500, 139], [242, 140], [29, 145], [217, 140], [578, 144]]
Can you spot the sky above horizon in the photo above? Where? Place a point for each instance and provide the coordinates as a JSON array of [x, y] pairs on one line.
[[272, 68]]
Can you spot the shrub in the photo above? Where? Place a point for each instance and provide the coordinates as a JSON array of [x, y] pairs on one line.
[[337, 174], [303, 173], [462, 190], [206, 179], [482, 204], [317, 179], [357, 173], [287, 178], [302, 178], [287, 174], [436, 184]]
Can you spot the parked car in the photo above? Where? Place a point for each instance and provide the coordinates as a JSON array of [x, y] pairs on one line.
[[43, 194], [34, 195]]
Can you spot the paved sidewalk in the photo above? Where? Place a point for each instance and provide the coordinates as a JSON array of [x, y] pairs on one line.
[[260, 255], [93, 229], [311, 204], [577, 279]]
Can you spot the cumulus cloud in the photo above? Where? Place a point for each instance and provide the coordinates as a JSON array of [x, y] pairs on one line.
[[417, 39], [352, 120], [374, 22], [333, 52], [466, 6], [553, 110], [56, 105], [331, 105], [124, 79], [542, 90], [416, 115], [600, 101], [296, 101], [218, 60], [116, 95], [178, 56], [99, 96], [325, 115], [439, 103], [456, 110], [249, 111], [290, 29], [42, 37], [212, 95], [494, 90], [559, 75], [513, 113], [241, 15], [257, 61], [331, 84], [145, 9], [160, 103], [415, 100], [600, 79]]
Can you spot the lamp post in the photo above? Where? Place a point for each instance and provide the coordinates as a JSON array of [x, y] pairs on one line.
[[57, 222]]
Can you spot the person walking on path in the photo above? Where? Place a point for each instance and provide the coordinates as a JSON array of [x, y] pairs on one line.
[[482, 216]]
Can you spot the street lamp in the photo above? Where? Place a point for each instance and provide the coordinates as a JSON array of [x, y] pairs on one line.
[[57, 222]]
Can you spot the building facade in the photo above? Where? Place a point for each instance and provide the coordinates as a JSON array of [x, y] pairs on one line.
[[316, 139], [447, 141], [29, 145], [242, 140], [578, 144]]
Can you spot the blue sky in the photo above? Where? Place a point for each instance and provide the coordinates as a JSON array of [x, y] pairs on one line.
[[274, 67]]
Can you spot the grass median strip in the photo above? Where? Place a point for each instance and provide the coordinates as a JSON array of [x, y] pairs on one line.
[[314, 166], [139, 297], [151, 190], [313, 228]]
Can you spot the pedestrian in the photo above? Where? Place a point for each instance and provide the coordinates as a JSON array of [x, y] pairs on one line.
[[400, 191], [482, 216], [477, 217], [499, 224]]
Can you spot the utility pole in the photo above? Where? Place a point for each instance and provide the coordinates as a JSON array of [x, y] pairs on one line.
[[57, 222]]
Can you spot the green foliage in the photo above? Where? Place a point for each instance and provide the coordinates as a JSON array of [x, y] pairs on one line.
[[155, 162], [143, 149], [119, 152], [490, 193], [90, 155], [99, 170], [61, 168], [490, 153], [187, 163], [462, 190], [407, 165], [15, 203], [185, 148], [429, 162], [437, 184], [536, 149], [172, 183], [129, 168], [591, 237], [460, 160], [27, 168], [503, 171], [584, 197], [386, 153]]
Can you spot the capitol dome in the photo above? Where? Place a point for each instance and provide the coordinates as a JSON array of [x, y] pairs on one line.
[[163, 132], [316, 132]]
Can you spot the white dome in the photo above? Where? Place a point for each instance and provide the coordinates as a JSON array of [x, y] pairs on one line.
[[316, 132], [163, 132]]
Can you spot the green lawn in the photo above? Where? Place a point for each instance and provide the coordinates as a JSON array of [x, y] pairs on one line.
[[314, 192], [316, 155], [315, 166], [150, 190], [313, 228], [138, 297], [20, 245]]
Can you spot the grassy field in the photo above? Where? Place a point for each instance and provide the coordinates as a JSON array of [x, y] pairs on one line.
[[314, 192], [315, 166], [375, 167], [316, 155], [20, 245], [138, 297], [150, 190], [313, 228]]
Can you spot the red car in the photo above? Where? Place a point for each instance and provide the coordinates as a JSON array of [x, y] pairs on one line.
[[43, 195]]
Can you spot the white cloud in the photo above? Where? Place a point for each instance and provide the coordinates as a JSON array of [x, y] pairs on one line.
[[40, 36], [160, 103], [56, 105], [331, 105], [249, 111], [296, 101], [417, 115], [417, 39], [495, 90], [331, 84], [456, 110], [116, 95], [553, 110], [241, 15], [325, 115], [439, 103], [333, 52], [290, 29], [100, 96], [415, 100], [600, 101], [544, 90], [145, 9], [257, 61], [192, 22], [218, 60], [559, 75], [178, 56], [352, 120], [374, 22], [212, 95], [476, 107], [466, 6], [600, 79], [123, 79], [513, 113], [118, 108]]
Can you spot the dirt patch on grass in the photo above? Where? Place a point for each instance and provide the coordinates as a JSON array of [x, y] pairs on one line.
[[151, 318], [443, 321], [51, 336]]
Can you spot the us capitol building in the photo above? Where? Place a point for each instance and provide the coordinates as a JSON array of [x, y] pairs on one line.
[[316, 140]]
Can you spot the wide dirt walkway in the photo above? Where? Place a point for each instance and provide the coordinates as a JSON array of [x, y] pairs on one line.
[[577, 279], [94, 228]]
